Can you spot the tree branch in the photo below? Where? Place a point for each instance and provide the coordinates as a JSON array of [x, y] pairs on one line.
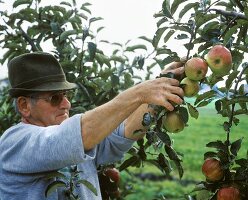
[[29, 40], [241, 7], [230, 14]]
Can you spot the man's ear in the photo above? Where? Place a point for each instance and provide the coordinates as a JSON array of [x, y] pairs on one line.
[[23, 104]]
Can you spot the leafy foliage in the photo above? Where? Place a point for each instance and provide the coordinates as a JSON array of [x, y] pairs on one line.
[[198, 25]]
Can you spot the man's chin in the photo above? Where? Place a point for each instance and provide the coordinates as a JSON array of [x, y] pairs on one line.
[[61, 118]]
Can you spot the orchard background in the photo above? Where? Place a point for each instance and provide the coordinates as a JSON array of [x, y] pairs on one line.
[[163, 165]]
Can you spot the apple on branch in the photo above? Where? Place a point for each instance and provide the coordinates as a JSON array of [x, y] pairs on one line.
[[173, 122], [196, 68], [219, 60], [190, 87]]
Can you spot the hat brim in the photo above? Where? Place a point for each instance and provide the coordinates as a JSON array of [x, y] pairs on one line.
[[46, 87]]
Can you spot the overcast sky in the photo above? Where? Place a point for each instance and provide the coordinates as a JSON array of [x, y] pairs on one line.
[[123, 19]]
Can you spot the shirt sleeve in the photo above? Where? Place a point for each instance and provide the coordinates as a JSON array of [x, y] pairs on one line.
[[113, 147], [32, 149]]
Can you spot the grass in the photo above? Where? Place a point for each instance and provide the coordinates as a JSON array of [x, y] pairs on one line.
[[192, 144]]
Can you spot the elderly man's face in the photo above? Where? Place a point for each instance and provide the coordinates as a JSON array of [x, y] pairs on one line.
[[48, 109]]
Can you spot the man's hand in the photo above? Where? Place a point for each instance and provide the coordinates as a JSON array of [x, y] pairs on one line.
[[172, 91], [177, 68]]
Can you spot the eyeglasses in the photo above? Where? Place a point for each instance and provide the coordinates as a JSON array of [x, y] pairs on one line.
[[55, 99]]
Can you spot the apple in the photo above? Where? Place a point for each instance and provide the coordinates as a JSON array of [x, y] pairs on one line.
[[219, 60], [190, 87], [203, 195], [173, 122], [228, 193], [196, 68], [113, 174], [211, 168]]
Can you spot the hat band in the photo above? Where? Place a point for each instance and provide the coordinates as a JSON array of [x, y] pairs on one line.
[[39, 81]]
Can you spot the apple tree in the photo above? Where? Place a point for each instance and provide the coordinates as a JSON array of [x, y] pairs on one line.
[[200, 26]]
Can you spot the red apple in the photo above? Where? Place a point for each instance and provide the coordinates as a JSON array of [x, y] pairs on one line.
[[219, 60], [228, 193], [211, 168], [196, 68], [190, 87], [113, 174]]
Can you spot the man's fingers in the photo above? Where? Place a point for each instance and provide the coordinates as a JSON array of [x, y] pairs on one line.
[[174, 65], [178, 71]]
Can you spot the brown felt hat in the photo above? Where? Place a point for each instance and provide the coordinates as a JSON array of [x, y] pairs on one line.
[[36, 72]]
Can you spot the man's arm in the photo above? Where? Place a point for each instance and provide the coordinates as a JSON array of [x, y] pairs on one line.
[[100, 122]]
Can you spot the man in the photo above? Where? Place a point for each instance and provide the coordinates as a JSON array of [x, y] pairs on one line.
[[47, 139]]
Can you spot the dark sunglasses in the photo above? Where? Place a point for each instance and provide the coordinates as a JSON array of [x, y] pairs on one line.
[[55, 99]]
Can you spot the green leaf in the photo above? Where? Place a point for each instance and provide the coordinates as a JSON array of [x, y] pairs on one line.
[[157, 36], [218, 105], [128, 80], [89, 186], [92, 50], [164, 164], [21, 2], [168, 35], [118, 59], [53, 186], [83, 7], [164, 137], [179, 168], [203, 103], [230, 33], [171, 153], [166, 9], [210, 154], [235, 146], [199, 187], [146, 39], [115, 80], [182, 36], [66, 3], [129, 162], [184, 114], [203, 18], [218, 145], [55, 174], [230, 79], [102, 59], [187, 8], [65, 34], [134, 47], [95, 19], [242, 162], [163, 51], [161, 21], [205, 95], [175, 5], [193, 111]]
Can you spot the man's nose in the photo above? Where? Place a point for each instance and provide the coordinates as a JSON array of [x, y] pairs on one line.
[[65, 103]]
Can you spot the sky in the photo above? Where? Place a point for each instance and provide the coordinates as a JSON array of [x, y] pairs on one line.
[[123, 19]]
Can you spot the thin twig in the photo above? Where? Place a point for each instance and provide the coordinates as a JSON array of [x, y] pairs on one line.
[[233, 105]]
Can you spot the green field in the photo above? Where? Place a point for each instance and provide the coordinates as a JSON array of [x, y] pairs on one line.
[[192, 144]]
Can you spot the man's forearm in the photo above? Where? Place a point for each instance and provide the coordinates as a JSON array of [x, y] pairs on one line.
[[134, 128], [100, 122]]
